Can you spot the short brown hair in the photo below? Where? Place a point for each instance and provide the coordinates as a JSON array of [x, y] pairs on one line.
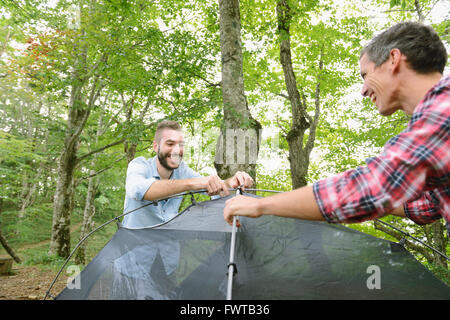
[[166, 124]]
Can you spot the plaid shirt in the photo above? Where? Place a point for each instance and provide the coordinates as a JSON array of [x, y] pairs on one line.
[[413, 170]]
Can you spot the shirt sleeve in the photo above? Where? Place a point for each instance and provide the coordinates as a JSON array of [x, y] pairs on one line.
[[138, 180], [429, 207], [410, 163]]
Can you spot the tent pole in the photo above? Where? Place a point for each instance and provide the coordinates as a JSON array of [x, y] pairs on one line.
[[231, 264]]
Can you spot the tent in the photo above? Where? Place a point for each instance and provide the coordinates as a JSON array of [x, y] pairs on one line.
[[275, 258]]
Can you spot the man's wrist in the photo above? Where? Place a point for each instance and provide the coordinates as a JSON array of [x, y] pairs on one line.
[[227, 183], [196, 183], [262, 205]]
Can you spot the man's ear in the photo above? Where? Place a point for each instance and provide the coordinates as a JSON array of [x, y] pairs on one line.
[[395, 59], [155, 146]]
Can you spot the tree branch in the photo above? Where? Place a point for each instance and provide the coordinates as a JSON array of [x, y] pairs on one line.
[[81, 158], [109, 167], [283, 96], [102, 170]]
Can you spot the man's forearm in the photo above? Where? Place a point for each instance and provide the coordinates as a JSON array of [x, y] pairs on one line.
[[399, 212], [299, 203], [161, 189]]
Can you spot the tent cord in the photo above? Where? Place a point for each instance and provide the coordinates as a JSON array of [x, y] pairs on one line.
[[414, 238]]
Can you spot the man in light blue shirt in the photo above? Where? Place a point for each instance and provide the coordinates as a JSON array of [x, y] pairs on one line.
[[165, 175]]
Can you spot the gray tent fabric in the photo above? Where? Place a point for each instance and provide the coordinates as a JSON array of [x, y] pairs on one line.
[[276, 259]]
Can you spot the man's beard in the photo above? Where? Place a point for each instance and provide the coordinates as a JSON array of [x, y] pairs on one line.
[[162, 157]]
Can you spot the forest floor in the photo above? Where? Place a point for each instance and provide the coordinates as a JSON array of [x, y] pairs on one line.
[[31, 282]]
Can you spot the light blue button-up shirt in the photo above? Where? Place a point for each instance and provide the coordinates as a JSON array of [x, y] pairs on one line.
[[141, 174]]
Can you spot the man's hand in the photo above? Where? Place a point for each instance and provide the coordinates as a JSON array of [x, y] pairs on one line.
[[240, 179], [299, 203], [241, 206], [214, 185]]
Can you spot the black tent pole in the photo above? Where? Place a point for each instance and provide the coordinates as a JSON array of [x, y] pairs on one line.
[[231, 264]]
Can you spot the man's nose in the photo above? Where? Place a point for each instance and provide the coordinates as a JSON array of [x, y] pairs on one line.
[[364, 90], [176, 148]]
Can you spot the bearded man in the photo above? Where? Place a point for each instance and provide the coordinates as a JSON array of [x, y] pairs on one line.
[[165, 175]]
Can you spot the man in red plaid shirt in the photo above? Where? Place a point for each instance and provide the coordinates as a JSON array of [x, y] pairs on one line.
[[402, 69]]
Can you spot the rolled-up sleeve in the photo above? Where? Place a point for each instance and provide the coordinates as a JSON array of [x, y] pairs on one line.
[[138, 181], [428, 208]]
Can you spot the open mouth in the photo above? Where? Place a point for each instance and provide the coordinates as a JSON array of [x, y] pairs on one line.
[[373, 98], [176, 158]]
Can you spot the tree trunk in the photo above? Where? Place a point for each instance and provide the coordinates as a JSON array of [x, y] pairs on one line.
[[88, 216], [299, 151], [8, 248], [60, 240], [438, 231], [29, 194], [62, 203], [29, 181], [89, 207], [238, 144], [80, 107], [5, 243]]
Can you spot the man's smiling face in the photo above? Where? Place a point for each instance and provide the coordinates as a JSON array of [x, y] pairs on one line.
[[170, 149], [378, 85]]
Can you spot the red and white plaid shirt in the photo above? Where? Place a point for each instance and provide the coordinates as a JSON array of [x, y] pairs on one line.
[[413, 170]]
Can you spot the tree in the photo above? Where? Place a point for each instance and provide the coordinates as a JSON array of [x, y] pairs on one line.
[[238, 123], [318, 51], [299, 151]]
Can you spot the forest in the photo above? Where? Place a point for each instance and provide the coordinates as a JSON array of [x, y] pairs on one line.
[[84, 83]]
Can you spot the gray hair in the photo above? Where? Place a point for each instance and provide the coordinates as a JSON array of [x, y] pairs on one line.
[[421, 45]]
